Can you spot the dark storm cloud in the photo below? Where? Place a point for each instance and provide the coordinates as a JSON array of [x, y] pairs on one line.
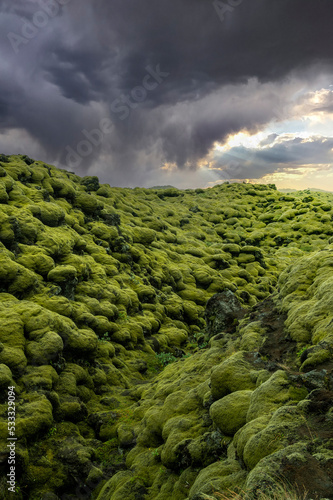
[[259, 39], [85, 60], [11, 99], [76, 75], [262, 39], [190, 132]]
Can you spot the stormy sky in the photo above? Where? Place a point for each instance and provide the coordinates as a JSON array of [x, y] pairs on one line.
[[183, 92]]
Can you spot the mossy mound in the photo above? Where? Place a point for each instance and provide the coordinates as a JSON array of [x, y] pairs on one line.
[[131, 376]]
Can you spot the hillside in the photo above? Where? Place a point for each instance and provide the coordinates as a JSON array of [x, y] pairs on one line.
[[132, 378]]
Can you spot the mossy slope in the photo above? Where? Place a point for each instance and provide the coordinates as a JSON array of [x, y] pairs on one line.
[[101, 286]]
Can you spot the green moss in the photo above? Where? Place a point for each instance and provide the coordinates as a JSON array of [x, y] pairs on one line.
[[245, 433], [82, 342], [103, 231], [143, 235], [48, 347], [15, 278], [218, 477], [176, 433], [90, 182], [279, 432], [96, 280], [36, 261], [173, 336], [6, 377], [252, 336], [34, 417], [58, 304], [88, 203], [123, 484], [12, 326], [229, 413], [203, 277], [231, 375], [195, 295], [305, 293], [145, 293], [56, 242], [61, 274], [40, 378], [14, 358], [316, 358], [269, 395]]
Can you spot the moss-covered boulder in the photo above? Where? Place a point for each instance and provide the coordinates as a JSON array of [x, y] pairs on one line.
[[270, 395], [233, 374], [6, 378], [218, 477], [229, 413], [34, 415], [44, 349]]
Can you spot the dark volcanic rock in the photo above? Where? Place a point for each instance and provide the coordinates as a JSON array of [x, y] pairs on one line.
[[223, 312]]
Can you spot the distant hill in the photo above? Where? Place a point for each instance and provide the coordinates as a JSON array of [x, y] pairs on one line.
[[162, 187], [308, 189]]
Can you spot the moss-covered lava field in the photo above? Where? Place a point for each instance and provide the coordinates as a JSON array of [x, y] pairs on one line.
[[164, 344]]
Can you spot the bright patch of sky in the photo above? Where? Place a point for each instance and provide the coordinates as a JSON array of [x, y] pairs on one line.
[[309, 129]]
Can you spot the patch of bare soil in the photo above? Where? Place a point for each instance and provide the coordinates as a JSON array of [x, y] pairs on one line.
[[278, 346]]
